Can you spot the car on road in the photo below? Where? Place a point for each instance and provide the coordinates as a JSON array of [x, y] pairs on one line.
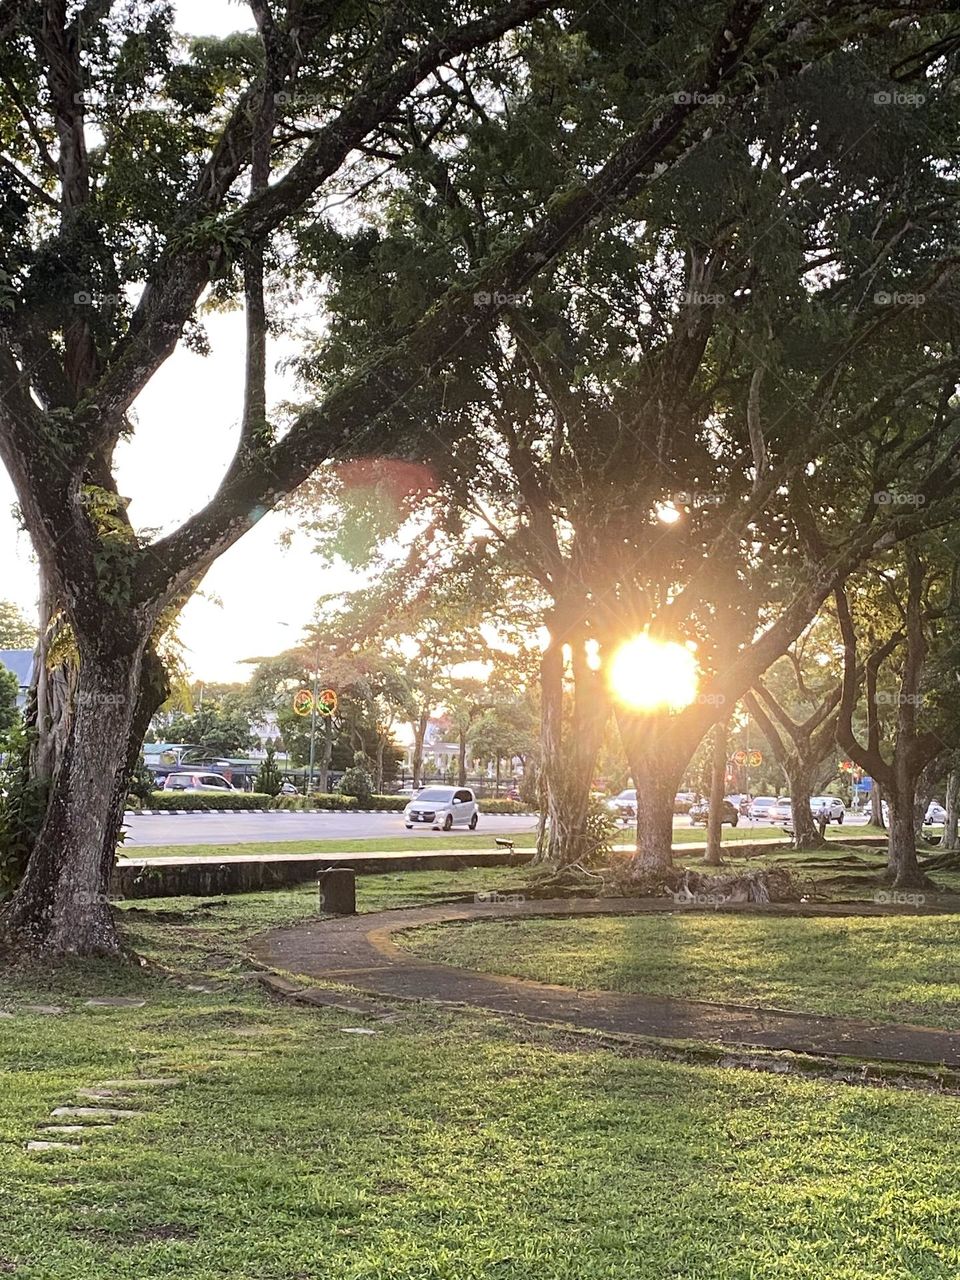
[[936, 814], [194, 783], [782, 811], [683, 800], [699, 813], [288, 789], [624, 805], [834, 806], [761, 809], [443, 808]]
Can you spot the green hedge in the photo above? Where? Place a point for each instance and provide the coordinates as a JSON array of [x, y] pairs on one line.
[[297, 804], [210, 801], [305, 804], [502, 806], [234, 801]]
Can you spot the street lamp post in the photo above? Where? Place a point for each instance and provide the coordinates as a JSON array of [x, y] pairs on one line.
[[313, 711], [313, 717]]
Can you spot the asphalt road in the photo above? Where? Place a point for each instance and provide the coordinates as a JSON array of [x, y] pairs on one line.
[[144, 830]]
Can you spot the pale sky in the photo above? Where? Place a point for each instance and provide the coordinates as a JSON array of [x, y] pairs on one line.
[[188, 418]]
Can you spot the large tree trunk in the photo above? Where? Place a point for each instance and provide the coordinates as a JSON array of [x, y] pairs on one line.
[[568, 757], [952, 800], [806, 832], [61, 905], [903, 869], [419, 737], [656, 763], [718, 778], [876, 805], [462, 760]]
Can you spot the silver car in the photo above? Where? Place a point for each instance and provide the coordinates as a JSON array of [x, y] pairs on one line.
[[835, 808], [443, 808]]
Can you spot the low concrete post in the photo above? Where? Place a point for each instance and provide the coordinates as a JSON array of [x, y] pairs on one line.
[[338, 891]]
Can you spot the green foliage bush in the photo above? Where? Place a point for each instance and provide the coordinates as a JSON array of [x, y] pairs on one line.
[[299, 804], [22, 806], [357, 782], [303, 804], [503, 806], [210, 802], [269, 780]]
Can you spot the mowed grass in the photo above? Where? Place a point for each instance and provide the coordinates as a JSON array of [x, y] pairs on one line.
[[449, 1146], [892, 969]]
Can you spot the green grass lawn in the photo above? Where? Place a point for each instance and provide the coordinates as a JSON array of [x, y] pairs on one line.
[[904, 968], [448, 1147]]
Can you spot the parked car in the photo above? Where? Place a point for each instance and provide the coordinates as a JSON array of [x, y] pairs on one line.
[[683, 800], [699, 813], [288, 789], [782, 811], [836, 810], [443, 808], [197, 782], [762, 808], [936, 813], [624, 806]]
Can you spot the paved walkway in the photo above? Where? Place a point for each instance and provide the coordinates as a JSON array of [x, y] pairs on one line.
[[359, 951]]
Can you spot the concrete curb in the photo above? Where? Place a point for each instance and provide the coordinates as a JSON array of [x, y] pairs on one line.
[[166, 813]]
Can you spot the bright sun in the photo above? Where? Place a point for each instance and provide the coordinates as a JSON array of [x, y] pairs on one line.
[[653, 675]]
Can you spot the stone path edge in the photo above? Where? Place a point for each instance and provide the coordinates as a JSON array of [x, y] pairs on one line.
[[359, 951]]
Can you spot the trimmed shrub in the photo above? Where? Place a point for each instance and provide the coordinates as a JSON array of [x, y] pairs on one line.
[[357, 782], [209, 801], [297, 804], [388, 804], [503, 806]]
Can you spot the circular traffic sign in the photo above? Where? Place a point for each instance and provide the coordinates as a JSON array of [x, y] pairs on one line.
[[756, 759], [303, 702], [327, 702], [740, 757]]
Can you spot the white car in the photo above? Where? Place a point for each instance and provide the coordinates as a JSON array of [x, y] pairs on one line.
[[197, 782], [936, 813], [836, 811], [443, 808], [762, 808], [624, 806]]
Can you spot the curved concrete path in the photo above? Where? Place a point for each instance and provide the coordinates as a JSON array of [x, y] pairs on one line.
[[358, 951]]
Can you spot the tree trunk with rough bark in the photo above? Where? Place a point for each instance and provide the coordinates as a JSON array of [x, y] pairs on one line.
[[903, 869], [657, 761], [718, 778], [419, 737], [570, 738], [806, 832], [61, 904], [952, 800]]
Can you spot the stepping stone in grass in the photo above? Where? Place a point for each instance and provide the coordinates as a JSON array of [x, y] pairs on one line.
[[359, 1031], [115, 1002], [45, 1010], [53, 1146], [4, 1014], [99, 1095], [142, 1082], [75, 1128], [94, 1113]]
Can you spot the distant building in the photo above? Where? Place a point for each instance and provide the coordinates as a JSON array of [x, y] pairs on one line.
[[20, 662]]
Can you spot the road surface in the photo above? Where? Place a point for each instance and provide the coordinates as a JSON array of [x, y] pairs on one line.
[[144, 830]]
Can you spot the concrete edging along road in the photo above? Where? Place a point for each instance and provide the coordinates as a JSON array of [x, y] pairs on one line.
[[173, 877], [235, 813]]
